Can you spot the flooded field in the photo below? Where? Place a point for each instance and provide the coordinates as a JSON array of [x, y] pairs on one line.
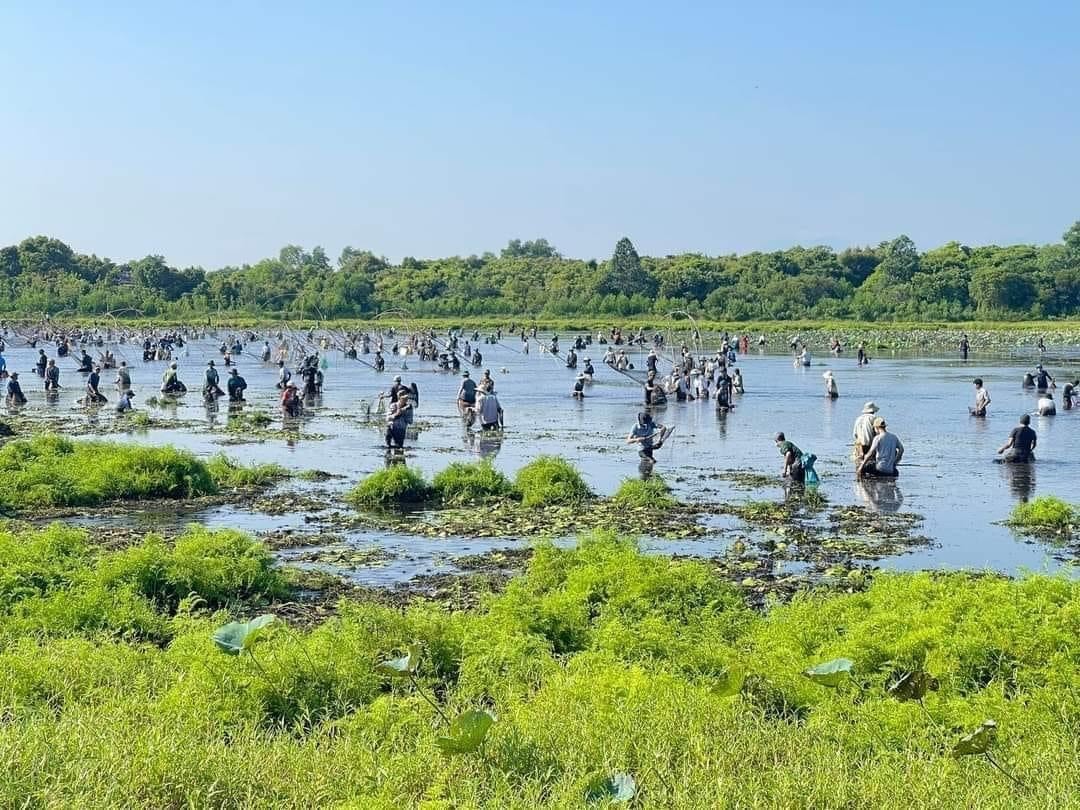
[[949, 479]]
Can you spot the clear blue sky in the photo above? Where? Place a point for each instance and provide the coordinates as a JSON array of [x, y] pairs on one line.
[[215, 133]]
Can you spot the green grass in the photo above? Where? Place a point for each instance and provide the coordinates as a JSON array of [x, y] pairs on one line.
[[550, 480], [653, 491], [396, 485], [1046, 512], [471, 483], [51, 471], [596, 661]]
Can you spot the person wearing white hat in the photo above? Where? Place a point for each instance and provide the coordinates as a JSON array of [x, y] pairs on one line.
[[863, 432], [831, 391], [579, 387]]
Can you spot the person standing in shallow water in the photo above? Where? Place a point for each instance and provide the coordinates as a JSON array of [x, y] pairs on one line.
[[792, 455], [982, 399], [883, 454], [863, 431]]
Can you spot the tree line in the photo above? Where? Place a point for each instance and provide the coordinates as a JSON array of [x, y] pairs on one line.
[[890, 281]]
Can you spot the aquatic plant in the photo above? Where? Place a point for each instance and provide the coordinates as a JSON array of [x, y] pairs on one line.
[[650, 492], [1045, 513], [600, 662], [471, 483], [228, 474], [397, 485], [550, 480], [50, 470]]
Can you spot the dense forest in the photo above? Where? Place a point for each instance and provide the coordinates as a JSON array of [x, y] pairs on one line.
[[890, 281]]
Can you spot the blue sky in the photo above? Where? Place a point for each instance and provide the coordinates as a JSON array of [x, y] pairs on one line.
[[215, 133]]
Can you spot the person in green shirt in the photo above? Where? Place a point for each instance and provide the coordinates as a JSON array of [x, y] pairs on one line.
[[793, 466]]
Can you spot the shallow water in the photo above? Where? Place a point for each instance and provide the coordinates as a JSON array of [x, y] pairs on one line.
[[948, 475]]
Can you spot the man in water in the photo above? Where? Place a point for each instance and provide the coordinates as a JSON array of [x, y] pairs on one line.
[[398, 418], [648, 434], [123, 404], [236, 385], [792, 455], [831, 390], [1019, 448], [1069, 394], [982, 399], [466, 393], [291, 403], [863, 431], [42, 363], [883, 455], [93, 395], [965, 345], [123, 376], [52, 376], [491, 412], [1046, 406], [588, 371], [211, 389], [15, 395], [579, 387], [1043, 378]]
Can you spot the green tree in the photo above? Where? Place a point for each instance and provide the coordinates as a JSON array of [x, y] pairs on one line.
[[625, 275], [901, 259]]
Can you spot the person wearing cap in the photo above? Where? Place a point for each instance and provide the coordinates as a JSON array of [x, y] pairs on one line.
[[792, 455], [396, 388], [466, 393], [52, 376], [883, 455], [571, 359], [486, 383], [863, 431], [1046, 406], [982, 399], [290, 400], [490, 410], [123, 404], [237, 385], [1019, 448], [211, 389], [579, 387], [649, 434], [398, 418], [588, 371], [15, 395]]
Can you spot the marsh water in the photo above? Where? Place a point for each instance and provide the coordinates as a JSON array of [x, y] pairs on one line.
[[948, 476]]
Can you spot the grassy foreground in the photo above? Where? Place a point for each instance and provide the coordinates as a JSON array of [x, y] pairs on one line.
[[596, 662]]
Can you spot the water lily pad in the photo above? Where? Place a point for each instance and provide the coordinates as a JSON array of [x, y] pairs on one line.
[[831, 673], [978, 741], [237, 637], [619, 788], [467, 733], [402, 667], [912, 685]]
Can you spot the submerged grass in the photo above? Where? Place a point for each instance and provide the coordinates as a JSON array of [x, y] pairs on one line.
[[51, 471], [596, 661]]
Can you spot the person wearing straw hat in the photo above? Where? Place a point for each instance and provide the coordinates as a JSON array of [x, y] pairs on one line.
[[831, 391], [863, 431]]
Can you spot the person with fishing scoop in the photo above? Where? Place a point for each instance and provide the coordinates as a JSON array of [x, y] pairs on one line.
[[798, 466]]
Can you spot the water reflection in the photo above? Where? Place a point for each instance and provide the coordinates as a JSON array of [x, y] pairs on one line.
[[880, 495], [1021, 480]]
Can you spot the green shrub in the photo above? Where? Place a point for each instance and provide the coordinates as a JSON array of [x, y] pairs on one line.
[[396, 485], [230, 475], [464, 483], [48, 471], [653, 491], [550, 480], [1046, 512]]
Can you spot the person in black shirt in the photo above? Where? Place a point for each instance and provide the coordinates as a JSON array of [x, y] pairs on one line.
[[236, 385], [1019, 448], [1043, 378]]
